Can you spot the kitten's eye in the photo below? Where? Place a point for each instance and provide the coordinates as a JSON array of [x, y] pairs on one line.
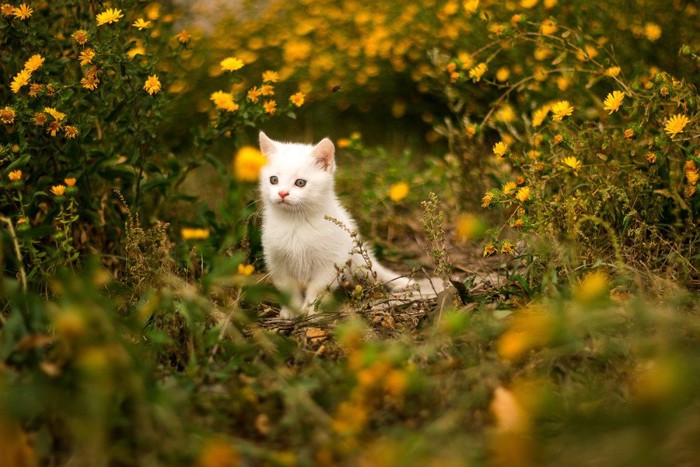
[[274, 180], [300, 182]]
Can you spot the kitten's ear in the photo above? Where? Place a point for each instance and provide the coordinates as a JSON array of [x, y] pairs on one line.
[[324, 152], [267, 146]]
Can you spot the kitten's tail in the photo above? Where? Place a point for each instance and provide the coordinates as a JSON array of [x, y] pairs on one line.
[[421, 288]]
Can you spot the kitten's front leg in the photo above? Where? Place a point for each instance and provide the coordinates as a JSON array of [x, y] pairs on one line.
[[317, 289], [296, 299]]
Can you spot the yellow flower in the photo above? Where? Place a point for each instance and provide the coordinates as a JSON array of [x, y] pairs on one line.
[[548, 27], [297, 99], [71, 132], [676, 124], [652, 31], [86, 56], [110, 15], [80, 36], [651, 157], [506, 114], [7, 115], [58, 116], [489, 249], [70, 182], [398, 191], [247, 164], [613, 101], [503, 74], [267, 90], [486, 200], [270, 76], [692, 177], [34, 63], [52, 128], [529, 329], [20, 80], [246, 269], [253, 95], [22, 11], [15, 175], [592, 288], [231, 64], [586, 53], [183, 37], [470, 6], [560, 110], [478, 71], [509, 187], [558, 139], [189, 233], [141, 24], [507, 248], [629, 133], [572, 162], [528, 3], [224, 101], [152, 85], [6, 9], [613, 71], [218, 452], [40, 118], [539, 115], [523, 194], [500, 149], [471, 130], [58, 190], [469, 227], [270, 107]]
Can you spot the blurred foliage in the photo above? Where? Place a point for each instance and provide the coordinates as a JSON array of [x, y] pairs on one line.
[[554, 145]]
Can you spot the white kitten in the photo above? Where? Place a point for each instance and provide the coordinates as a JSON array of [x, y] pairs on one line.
[[304, 250]]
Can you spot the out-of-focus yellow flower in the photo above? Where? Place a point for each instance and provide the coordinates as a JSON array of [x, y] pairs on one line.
[[470, 130], [652, 31], [528, 3], [486, 200], [218, 452], [189, 233], [571, 162], [613, 71], [503, 74], [558, 138], [548, 27], [231, 64], [22, 11], [613, 101], [629, 133], [7, 115], [691, 172], [152, 85], [651, 157], [539, 115], [509, 187], [469, 227], [247, 164], [470, 6], [110, 15], [506, 114], [58, 190], [141, 24], [80, 36], [560, 110], [246, 269], [676, 124], [270, 76], [183, 37], [398, 191], [529, 329], [478, 71], [70, 182], [15, 175], [6, 9], [465, 59], [297, 99], [523, 194], [592, 288], [253, 95], [270, 107], [500, 149], [224, 101], [489, 249], [267, 90]]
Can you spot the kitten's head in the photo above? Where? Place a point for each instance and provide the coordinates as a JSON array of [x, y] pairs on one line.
[[297, 177]]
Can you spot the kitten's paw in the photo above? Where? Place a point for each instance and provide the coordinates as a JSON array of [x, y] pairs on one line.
[[287, 313]]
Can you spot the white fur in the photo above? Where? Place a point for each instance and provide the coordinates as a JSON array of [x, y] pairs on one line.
[[303, 249]]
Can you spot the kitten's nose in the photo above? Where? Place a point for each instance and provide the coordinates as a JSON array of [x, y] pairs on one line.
[[283, 194]]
